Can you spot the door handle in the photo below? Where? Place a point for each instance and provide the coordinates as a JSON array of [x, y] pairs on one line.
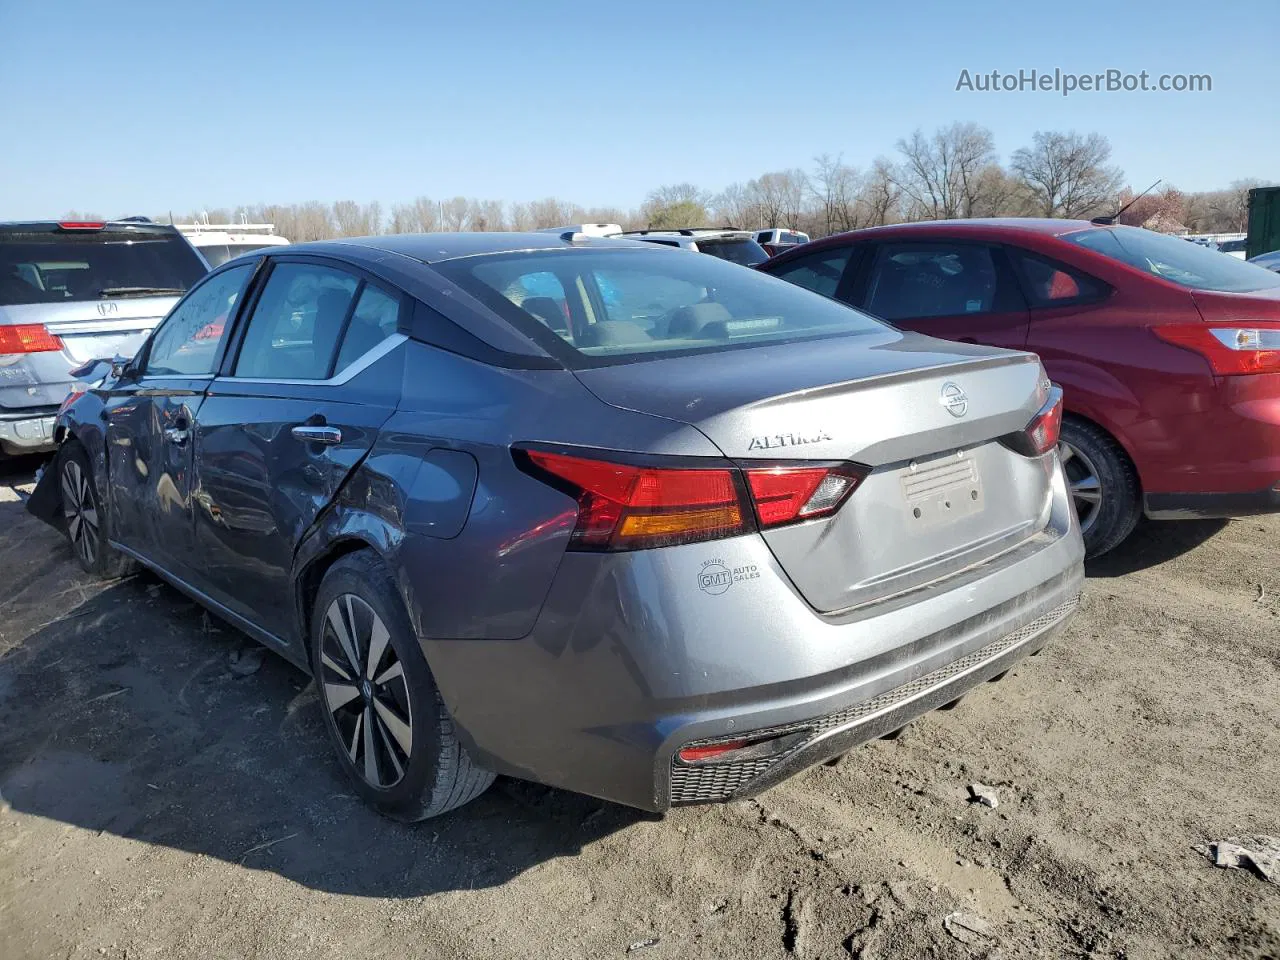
[[317, 434]]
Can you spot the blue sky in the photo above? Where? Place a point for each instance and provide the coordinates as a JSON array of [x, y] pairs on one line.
[[140, 106]]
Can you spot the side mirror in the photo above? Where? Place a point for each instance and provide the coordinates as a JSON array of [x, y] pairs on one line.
[[120, 366]]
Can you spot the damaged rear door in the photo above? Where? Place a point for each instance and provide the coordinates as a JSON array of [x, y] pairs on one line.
[[300, 399]]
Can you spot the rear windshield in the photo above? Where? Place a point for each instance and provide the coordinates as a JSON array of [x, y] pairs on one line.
[[46, 266], [746, 251], [1172, 258], [219, 253], [594, 307]]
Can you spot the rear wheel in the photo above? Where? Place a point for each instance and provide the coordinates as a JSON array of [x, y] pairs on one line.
[[84, 518], [386, 720], [1103, 484]]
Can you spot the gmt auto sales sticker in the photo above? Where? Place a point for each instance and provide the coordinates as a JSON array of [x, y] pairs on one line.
[[716, 577]]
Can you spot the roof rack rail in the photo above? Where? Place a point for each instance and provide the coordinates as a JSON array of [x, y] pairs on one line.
[[683, 231]]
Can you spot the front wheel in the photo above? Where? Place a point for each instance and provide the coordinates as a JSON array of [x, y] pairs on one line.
[[386, 720], [1103, 484], [84, 518]]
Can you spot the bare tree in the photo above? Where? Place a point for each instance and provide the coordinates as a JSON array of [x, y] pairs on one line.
[[350, 219], [485, 215], [736, 206], [419, 216], [520, 216], [880, 198], [835, 187], [552, 212], [779, 197], [1232, 208], [1067, 174], [942, 176]]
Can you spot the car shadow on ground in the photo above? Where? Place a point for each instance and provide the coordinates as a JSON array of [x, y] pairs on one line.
[[1152, 543], [123, 715]]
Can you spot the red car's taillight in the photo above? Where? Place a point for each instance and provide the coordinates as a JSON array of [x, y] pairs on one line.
[[27, 338], [1231, 351], [1040, 435], [634, 506]]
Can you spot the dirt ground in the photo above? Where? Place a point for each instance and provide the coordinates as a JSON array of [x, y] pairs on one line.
[[159, 805]]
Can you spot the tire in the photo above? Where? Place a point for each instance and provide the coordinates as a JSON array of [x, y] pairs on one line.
[[85, 521], [387, 722], [1104, 485]]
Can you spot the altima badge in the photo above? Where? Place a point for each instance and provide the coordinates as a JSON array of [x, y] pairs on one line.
[[954, 399]]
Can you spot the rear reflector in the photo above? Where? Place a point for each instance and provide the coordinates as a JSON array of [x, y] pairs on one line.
[[1231, 351], [81, 225], [1040, 435], [634, 506], [710, 751], [28, 338], [786, 494]]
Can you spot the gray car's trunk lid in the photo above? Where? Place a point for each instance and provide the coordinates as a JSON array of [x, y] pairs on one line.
[[90, 329], [923, 414]]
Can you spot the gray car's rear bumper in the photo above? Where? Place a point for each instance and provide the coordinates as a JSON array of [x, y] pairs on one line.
[[22, 433], [630, 661]]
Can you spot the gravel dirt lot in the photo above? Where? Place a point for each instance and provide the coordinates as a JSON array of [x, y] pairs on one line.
[[157, 804]]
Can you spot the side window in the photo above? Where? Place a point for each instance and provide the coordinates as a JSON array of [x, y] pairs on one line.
[[819, 272], [296, 323], [186, 344], [932, 280], [1053, 284], [375, 318]]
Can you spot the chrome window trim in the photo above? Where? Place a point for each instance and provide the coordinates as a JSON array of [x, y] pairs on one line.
[[361, 363]]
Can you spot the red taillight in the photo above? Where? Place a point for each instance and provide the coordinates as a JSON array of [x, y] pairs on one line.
[[27, 338], [81, 225], [785, 494], [1231, 351], [1040, 435], [630, 507], [624, 506]]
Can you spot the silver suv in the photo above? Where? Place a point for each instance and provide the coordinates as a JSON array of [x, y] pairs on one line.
[[74, 291], [736, 246]]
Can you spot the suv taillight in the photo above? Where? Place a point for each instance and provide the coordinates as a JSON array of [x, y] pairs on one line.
[[1040, 435], [1230, 350], [635, 506], [27, 338]]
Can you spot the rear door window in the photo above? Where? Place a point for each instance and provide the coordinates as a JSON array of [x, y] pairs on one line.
[[376, 317], [932, 280], [820, 272], [1052, 284], [47, 265], [186, 343], [297, 322]]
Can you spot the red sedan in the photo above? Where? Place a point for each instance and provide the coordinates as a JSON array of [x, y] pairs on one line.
[[1169, 353]]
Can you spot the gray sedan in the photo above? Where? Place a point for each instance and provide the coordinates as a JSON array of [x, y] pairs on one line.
[[591, 512]]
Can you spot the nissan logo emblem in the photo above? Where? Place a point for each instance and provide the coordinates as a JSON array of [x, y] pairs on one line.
[[108, 309], [954, 399]]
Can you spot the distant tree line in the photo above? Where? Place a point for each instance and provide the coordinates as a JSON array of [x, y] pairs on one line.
[[952, 172]]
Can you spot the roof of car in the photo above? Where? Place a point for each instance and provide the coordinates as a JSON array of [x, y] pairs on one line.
[[1031, 224], [434, 247]]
